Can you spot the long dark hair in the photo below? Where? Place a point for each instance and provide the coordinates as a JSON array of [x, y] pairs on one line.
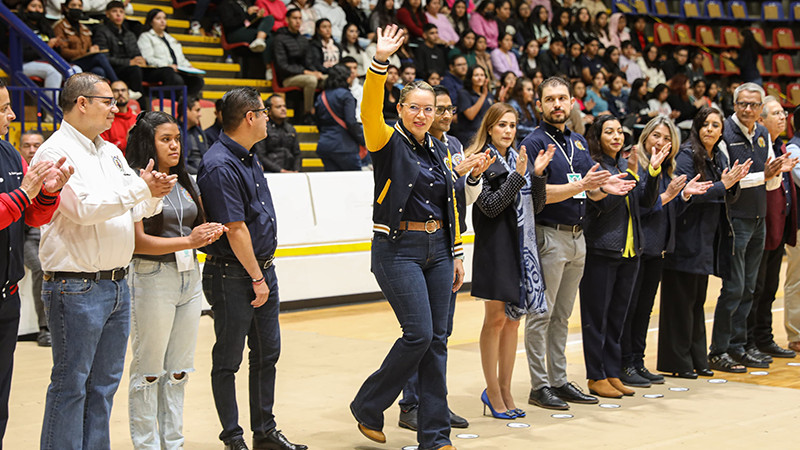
[[518, 95], [417, 17], [142, 148], [468, 77], [750, 42], [385, 16], [463, 21], [699, 152], [460, 45], [346, 45], [593, 136], [148, 20], [677, 86], [655, 64], [635, 87]]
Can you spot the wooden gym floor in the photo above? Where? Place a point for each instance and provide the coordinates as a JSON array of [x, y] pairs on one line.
[[327, 353]]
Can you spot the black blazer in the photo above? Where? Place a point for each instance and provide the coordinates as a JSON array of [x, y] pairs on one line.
[[496, 259]]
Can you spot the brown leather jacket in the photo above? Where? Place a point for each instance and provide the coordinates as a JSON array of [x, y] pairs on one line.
[[74, 43]]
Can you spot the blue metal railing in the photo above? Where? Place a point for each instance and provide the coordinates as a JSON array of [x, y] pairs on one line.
[[19, 34]]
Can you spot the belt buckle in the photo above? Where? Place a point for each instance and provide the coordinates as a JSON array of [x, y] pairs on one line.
[[268, 263], [434, 226], [576, 231]]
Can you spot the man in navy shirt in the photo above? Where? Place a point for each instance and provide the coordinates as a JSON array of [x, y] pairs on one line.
[[589, 61], [239, 277], [571, 177], [453, 80]]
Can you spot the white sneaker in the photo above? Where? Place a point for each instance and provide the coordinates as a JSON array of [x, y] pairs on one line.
[[195, 29], [258, 46], [216, 30], [268, 74], [134, 95]]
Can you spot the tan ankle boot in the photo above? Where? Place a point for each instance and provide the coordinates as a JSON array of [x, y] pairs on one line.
[[617, 384], [603, 388]]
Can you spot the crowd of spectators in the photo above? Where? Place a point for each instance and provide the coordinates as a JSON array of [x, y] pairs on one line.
[[482, 52]]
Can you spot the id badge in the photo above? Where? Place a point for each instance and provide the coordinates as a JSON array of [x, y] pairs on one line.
[[574, 178], [185, 260]]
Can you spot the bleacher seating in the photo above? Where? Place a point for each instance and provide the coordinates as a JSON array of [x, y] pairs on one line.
[[690, 9], [772, 11], [715, 10]]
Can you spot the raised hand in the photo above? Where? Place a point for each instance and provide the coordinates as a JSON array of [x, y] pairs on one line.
[[32, 181], [773, 166], [658, 156], [789, 163], [633, 159], [594, 178], [618, 185], [160, 184], [697, 187], [676, 186], [483, 163], [522, 163], [390, 39], [542, 159], [58, 176], [502, 95]]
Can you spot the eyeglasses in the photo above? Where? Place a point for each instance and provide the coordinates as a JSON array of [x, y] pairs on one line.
[[415, 109], [745, 105], [108, 101], [265, 109], [442, 109], [779, 113]]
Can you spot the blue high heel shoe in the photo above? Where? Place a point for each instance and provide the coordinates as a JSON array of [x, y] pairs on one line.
[[518, 413], [497, 415]]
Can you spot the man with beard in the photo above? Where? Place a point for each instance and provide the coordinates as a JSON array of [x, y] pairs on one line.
[[467, 190], [572, 176], [124, 119]]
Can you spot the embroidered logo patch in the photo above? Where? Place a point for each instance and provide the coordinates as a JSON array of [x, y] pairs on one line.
[[580, 146], [118, 163], [187, 195], [761, 141], [458, 158]]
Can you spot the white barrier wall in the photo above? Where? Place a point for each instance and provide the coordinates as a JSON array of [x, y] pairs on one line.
[[324, 232]]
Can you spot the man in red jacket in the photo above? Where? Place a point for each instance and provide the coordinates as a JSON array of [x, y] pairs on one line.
[[124, 119], [781, 229], [28, 196]]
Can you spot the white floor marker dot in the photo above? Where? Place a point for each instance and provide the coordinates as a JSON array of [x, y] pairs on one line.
[[679, 389], [653, 395], [467, 436], [562, 416], [609, 405], [410, 447], [759, 373], [518, 425], [717, 381], [795, 364]]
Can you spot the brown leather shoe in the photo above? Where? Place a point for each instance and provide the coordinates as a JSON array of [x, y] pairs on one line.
[[372, 435], [794, 346], [603, 388], [617, 384]]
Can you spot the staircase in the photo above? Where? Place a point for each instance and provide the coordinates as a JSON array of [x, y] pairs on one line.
[[206, 53]]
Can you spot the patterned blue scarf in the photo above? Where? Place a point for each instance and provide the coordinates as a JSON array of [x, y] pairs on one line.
[[531, 289]]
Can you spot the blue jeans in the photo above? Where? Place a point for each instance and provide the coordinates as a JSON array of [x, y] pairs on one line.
[[165, 317], [89, 322], [729, 333], [228, 288], [416, 276], [410, 398]]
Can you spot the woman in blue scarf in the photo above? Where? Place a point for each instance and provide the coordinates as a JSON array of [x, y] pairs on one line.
[[507, 272]]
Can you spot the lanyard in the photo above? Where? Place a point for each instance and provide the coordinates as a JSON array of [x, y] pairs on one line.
[[178, 212], [571, 147]]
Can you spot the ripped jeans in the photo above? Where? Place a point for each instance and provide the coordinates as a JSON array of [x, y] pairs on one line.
[[165, 313]]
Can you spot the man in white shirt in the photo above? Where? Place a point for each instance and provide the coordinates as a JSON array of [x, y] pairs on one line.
[[85, 252], [330, 9]]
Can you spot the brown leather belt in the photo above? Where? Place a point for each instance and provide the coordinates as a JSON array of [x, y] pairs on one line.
[[430, 227]]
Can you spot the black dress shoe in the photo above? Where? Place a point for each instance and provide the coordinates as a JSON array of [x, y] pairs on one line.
[[777, 351], [571, 393], [748, 361], [688, 375], [275, 440], [630, 377], [758, 355], [408, 418], [44, 340], [704, 372], [546, 398], [236, 444], [654, 378], [457, 421]]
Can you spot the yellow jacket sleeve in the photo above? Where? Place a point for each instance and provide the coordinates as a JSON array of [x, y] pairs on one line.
[[376, 132]]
